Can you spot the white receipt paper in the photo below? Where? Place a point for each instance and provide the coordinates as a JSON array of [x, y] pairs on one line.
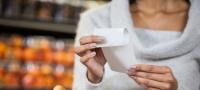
[[117, 48]]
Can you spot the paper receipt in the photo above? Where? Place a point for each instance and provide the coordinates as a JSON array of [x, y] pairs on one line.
[[117, 48], [113, 37]]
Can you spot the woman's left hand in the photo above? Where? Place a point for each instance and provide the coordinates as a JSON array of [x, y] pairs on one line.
[[153, 77]]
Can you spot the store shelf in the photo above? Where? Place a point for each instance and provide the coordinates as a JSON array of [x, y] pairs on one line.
[[46, 26]]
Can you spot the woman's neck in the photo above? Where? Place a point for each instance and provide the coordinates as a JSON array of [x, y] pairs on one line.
[[160, 14], [160, 6]]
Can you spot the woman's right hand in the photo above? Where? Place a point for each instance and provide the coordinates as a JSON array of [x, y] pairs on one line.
[[92, 57]]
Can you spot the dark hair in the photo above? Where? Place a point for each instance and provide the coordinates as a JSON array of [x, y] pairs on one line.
[[134, 1]]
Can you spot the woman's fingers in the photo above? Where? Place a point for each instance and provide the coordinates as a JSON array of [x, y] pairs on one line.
[[91, 57], [87, 57], [152, 83], [91, 39], [83, 48], [88, 43], [152, 68], [152, 76]]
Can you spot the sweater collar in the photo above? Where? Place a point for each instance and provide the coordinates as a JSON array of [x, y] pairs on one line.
[[121, 18]]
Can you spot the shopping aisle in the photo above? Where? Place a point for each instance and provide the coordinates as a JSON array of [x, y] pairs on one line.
[[36, 42]]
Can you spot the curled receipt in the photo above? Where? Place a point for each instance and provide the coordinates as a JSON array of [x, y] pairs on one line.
[[117, 48]]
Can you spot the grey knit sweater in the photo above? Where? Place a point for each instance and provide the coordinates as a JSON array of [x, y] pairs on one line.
[[181, 54]]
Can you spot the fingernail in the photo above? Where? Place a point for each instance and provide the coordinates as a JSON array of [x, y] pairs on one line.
[[131, 72], [100, 38], [133, 67], [127, 71], [76, 49], [92, 54], [93, 45]]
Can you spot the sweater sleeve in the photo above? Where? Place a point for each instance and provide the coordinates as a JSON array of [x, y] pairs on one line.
[[196, 54], [81, 82]]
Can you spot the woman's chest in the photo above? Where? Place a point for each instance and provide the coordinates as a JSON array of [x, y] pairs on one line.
[[175, 22]]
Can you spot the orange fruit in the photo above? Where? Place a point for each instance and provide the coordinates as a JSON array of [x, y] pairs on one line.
[[3, 50], [16, 41], [29, 54], [18, 53]]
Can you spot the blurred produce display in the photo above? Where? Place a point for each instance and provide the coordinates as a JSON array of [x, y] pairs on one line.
[[35, 62], [30, 62]]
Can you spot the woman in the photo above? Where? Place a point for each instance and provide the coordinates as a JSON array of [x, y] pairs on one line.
[[166, 42]]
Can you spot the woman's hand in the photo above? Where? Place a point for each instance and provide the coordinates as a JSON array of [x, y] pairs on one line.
[[92, 57], [153, 77]]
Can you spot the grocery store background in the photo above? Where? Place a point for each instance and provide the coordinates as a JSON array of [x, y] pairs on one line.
[[36, 42]]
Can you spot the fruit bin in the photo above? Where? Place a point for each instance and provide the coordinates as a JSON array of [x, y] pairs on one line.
[[35, 62]]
